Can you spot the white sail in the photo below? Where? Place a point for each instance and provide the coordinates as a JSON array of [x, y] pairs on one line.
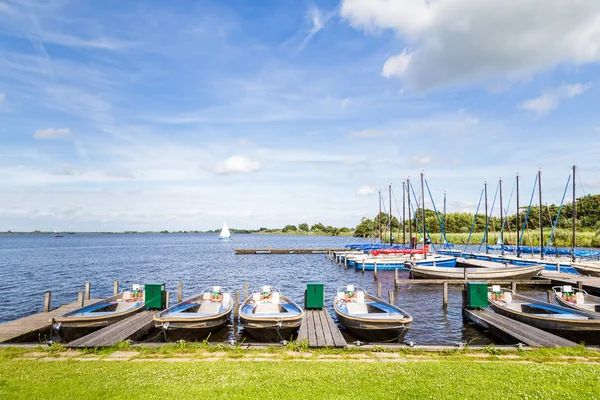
[[225, 231]]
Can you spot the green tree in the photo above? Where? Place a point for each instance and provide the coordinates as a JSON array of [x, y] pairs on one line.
[[303, 227], [318, 227], [366, 228], [290, 228]]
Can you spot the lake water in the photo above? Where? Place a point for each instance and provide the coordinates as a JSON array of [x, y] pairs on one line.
[[33, 264]]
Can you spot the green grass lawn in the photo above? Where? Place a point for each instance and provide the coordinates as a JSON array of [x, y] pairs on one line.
[[285, 379]]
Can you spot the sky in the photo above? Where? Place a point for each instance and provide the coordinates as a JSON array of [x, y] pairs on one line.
[[152, 115]]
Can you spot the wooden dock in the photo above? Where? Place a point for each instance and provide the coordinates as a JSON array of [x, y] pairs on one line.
[[590, 284], [509, 329], [132, 328], [28, 328], [319, 330], [284, 251]]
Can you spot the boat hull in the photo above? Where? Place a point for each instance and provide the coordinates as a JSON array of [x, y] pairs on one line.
[[374, 331], [222, 239], [271, 330], [521, 273], [191, 330], [573, 306], [587, 270]]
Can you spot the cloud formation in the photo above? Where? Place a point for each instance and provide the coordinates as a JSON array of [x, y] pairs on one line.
[[52, 133], [460, 41], [367, 134], [549, 100], [237, 164], [365, 191]]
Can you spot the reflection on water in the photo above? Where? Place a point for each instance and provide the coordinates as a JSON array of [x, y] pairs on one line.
[[30, 265]]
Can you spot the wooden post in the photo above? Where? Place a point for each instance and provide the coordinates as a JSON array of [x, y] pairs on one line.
[[346, 262], [391, 296], [180, 292], [557, 267], [551, 296], [80, 301], [363, 266], [580, 285], [47, 298], [245, 290], [236, 305], [513, 286], [465, 273], [87, 290], [167, 299], [375, 271], [395, 278], [115, 288], [378, 289], [445, 298]]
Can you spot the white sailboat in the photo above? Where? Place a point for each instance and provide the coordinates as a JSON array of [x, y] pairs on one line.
[[225, 235]]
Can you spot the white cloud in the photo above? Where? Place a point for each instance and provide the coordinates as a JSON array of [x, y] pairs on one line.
[[318, 21], [52, 133], [550, 100], [421, 160], [367, 133], [365, 191], [458, 41], [237, 164]]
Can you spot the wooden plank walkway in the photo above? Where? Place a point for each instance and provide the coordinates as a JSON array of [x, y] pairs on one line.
[[128, 328], [590, 284], [505, 327], [284, 251], [35, 323], [319, 330]]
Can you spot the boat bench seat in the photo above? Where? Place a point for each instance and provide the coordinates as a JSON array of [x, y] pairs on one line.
[[356, 308], [209, 308], [267, 308]]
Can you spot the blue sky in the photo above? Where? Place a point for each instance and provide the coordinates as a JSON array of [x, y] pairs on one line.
[[147, 115]]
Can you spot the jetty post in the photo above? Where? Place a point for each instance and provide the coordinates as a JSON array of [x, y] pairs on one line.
[[513, 286], [375, 272], [47, 298], [115, 288], [87, 290], [245, 290], [236, 305], [395, 278], [379, 289], [80, 298], [445, 297], [391, 296], [167, 299], [551, 296], [180, 292]]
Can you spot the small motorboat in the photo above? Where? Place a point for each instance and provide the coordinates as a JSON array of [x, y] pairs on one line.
[[501, 273], [576, 299], [587, 269], [269, 316], [368, 317], [197, 317], [77, 323], [566, 322]]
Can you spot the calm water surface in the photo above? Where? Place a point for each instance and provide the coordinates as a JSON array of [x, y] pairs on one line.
[[33, 264]]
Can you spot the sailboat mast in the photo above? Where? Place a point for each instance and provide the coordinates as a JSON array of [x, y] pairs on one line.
[[486, 218], [517, 224], [391, 225], [501, 220], [540, 216], [379, 217], [423, 213], [403, 213], [443, 229], [409, 216], [574, 240]]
